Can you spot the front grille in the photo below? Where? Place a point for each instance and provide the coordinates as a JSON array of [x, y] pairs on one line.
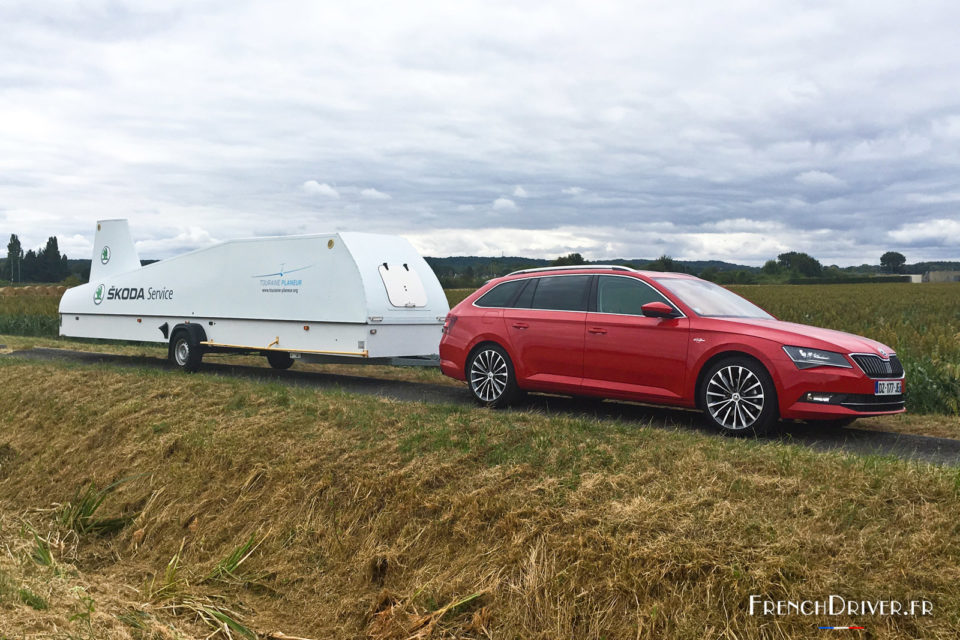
[[877, 367]]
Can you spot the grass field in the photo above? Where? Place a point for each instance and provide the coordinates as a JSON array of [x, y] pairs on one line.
[[325, 515], [922, 322]]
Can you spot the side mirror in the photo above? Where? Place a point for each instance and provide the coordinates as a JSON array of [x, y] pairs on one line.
[[658, 310]]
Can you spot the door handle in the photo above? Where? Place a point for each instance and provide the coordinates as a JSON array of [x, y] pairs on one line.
[[520, 325], [597, 330]]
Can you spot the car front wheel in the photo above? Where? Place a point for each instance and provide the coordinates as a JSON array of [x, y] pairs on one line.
[[738, 397], [490, 376]]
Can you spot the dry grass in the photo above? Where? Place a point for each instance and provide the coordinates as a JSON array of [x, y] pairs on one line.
[[382, 519]]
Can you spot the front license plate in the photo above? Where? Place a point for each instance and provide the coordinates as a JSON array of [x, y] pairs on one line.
[[889, 387]]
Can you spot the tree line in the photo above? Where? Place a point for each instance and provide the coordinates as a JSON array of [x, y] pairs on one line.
[[791, 266], [47, 264], [42, 265]]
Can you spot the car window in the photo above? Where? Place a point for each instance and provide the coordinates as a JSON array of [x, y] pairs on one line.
[[501, 295], [711, 300], [625, 295], [562, 293], [525, 299]]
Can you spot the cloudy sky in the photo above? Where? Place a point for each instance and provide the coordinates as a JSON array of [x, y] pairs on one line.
[[732, 130]]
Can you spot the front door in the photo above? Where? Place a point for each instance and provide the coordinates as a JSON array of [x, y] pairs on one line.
[[628, 355]]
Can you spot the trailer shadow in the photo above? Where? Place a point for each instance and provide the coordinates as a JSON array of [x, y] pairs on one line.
[[848, 439]]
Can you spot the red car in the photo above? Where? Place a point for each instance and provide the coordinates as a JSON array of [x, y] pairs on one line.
[[662, 338]]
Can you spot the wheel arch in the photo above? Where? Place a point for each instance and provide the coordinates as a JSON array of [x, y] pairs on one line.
[[724, 355], [193, 330], [480, 343]]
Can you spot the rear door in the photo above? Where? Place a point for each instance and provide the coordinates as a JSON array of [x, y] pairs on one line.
[[628, 355], [546, 332]]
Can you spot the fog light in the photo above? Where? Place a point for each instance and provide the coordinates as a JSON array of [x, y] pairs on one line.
[[818, 397]]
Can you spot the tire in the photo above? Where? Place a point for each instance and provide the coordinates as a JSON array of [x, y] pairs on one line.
[[279, 359], [491, 378], [185, 354], [738, 397]]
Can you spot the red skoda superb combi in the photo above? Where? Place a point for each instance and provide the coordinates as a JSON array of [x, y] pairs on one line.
[[662, 338]]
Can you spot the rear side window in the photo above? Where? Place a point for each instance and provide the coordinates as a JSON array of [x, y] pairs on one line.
[[525, 299], [625, 296], [562, 293], [501, 295]]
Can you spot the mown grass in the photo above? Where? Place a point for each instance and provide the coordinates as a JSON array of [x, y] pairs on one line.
[[375, 518]]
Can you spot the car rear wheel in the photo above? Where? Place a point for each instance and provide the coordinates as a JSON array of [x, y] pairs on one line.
[[738, 397], [490, 376]]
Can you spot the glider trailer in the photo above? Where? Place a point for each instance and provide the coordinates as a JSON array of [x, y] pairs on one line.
[[343, 297]]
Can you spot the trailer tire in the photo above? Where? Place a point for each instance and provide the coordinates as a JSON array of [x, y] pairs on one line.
[[186, 353], [279, 359]]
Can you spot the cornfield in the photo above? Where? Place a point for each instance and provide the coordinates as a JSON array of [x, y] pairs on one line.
[[920, 321], [29, 311]]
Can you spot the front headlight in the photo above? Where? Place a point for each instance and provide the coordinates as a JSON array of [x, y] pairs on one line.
[[808, 358]]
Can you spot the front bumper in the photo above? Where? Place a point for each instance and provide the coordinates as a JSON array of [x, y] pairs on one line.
[[825, 393]]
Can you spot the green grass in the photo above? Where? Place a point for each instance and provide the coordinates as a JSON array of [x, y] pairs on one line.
[[32, 600], [79, 514]]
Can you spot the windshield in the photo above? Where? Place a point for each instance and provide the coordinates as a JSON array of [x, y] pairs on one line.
[[711, 300]]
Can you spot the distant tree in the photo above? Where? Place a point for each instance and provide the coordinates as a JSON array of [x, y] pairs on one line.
[[28, 271], [801, 263], [710, 273], [14, 257], [893, 261], [833, 271], [771, 268], [664, 263], [569, 260], [53, 265]]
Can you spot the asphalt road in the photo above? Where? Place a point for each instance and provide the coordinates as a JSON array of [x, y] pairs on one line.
[[857, 441]]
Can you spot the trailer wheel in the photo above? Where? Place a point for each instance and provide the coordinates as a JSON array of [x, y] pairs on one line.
[[184, 352], [279, 359]]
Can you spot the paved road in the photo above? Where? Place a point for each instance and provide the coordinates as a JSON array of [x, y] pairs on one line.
[[858, 441]]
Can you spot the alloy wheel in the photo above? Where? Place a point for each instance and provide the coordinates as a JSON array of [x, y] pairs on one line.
[[489, 375], [735, 397]]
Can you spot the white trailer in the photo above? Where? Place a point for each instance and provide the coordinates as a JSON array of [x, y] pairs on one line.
[[353, 297]]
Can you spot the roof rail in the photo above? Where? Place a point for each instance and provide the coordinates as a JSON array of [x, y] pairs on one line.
[[614, 267]]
